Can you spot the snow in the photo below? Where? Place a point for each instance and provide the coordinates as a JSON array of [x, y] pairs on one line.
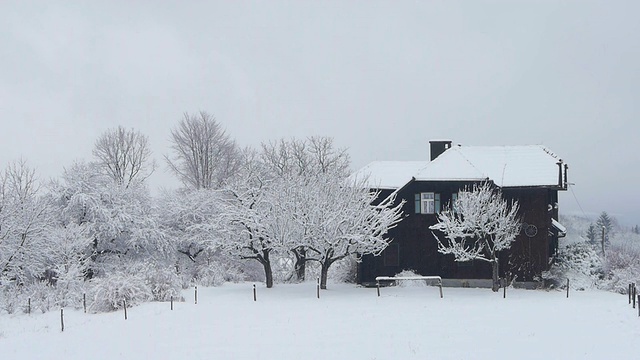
[[507, 166], [289, 322], [559, 226]]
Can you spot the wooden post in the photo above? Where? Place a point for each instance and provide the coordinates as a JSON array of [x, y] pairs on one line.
[[29, 306], [172, 303], [504, 289], [378, 287], [195, 295], [638, 306], [255, 297], [62, 319], [84, 302], [440, 286], [318, 288], [567, 288], [629, 293], [634, 296], [124, 305]]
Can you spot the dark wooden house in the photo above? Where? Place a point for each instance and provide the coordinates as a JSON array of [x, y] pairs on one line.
[[532, 175]]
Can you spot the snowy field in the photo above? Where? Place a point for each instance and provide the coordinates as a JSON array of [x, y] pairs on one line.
[[347, 322]]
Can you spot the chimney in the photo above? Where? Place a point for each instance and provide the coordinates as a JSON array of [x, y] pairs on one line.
[[438, 147]]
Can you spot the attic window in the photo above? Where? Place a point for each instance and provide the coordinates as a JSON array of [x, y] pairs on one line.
[[427, 203]]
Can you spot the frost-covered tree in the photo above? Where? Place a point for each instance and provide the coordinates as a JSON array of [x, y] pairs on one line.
[[299, 162], [24, 222], [192, 219], [248, 212], [591, 233], [203, 155], [67, 261], [120, 220], [339, 219], [482, 224], [124, 155], [312, 156]]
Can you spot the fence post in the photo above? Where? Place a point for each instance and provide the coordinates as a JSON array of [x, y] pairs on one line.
[[172, 303], [255, 297], [629, 293], [124, 305], [62, 319], [378, 287], [440, 286], [318, 288], [634, 295], [639, 306], [567, 288], [195, 295], [29, 306], [504, 289], [84, 302]]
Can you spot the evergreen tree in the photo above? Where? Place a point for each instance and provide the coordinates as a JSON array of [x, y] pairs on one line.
[[592, 234], [605, 221]]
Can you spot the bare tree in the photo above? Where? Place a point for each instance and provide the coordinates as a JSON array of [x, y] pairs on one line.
[[23, 223], [482, 224], [204, 155], [310, 157], [301, 162], [124, 155]]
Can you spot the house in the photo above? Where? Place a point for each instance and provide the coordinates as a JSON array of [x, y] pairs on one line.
[[531, 175]]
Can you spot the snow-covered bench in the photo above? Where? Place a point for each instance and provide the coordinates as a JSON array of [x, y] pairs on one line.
[[427, 279]]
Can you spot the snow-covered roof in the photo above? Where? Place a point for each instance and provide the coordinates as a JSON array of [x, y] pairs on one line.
[[388, 174], [506, 166], [561, 229]]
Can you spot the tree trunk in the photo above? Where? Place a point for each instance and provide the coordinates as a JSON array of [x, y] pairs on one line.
[[324, 270], [300, 265], [268, 274], [496, 280]]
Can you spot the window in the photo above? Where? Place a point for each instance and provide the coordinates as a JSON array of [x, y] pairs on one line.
[[454, 198], [427, 203]]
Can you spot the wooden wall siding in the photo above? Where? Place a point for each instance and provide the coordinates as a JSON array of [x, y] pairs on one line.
[[418, 251]]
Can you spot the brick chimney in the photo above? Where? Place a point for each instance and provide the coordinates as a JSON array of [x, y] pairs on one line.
[[437, 147]]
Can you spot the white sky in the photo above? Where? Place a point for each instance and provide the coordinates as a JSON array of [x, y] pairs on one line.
[[382, 78]]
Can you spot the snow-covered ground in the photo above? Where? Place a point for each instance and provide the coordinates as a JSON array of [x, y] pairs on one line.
[[347, 322]]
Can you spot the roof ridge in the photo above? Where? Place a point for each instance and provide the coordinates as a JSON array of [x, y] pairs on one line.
[[469, 161]]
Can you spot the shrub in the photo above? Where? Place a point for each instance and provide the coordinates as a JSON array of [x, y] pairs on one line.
[[409, 283], [578, 262], [163, 282], [108, 293]]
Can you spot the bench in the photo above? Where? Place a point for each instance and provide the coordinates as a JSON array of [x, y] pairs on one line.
[[427, 279]]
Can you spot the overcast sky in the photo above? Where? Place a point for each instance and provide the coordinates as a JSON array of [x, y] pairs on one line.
[[381, 78]]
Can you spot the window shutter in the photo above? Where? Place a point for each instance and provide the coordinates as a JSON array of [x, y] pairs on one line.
[[437, 198], [417, 203]]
